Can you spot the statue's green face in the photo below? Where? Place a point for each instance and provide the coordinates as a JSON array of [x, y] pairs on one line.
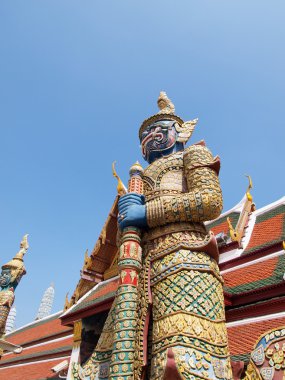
[[5, 278]]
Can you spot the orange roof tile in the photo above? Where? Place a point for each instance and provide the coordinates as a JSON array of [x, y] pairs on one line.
[[223, 227], [243, 338], [265, 273], [268, 230], [221, 224], [39, 330], [35, 371], [45, 349], [250, 273]]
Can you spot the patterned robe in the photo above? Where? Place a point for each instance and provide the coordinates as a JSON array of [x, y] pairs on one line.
[[181, 331], [188, 335]]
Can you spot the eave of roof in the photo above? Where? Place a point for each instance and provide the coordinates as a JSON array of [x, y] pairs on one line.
[[39, 331], [42, 350], [269, 229], [236, 256], [34, 370], [252, 277], [243, 335], [100, 295]]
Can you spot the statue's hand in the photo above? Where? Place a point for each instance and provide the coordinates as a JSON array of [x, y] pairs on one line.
[[132, 211]]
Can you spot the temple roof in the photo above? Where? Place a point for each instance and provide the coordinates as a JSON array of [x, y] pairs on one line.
[[101, 258], [43, 329], [252, 277], [54, 347], [243, 335], [221, 225], [269, 228], [101, 293], [45, 343], [38, 370]]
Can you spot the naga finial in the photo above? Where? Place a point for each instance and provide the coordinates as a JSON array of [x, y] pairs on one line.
[[233, 233], [87, 260], [248, 195], [165, 104], [121, 188], [66, 302]]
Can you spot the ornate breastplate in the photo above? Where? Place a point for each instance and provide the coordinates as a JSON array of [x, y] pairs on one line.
[[164, 177]]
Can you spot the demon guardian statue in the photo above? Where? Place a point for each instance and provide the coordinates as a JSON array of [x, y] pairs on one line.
[[168, 319]]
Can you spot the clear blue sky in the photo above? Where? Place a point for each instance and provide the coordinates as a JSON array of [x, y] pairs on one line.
[[77, 78]]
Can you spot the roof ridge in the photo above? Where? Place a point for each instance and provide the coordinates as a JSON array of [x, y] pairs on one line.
[[270, 206]]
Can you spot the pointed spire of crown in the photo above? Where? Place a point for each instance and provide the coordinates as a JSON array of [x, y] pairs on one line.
[[17, 263], [167, 112]]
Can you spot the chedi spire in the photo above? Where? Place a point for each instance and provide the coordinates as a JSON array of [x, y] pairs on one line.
[[46, 303], [10, 324]]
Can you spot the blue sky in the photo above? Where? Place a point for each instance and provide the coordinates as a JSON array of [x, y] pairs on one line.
[[77, 78]]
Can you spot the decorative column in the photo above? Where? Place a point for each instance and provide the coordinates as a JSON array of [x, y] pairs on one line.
[[74, 358], [129, 263]]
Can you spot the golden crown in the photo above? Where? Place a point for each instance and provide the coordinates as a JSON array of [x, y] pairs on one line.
[[167, 110], [17, 263]]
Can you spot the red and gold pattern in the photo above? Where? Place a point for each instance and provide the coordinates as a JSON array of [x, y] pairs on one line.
[[125, 320]]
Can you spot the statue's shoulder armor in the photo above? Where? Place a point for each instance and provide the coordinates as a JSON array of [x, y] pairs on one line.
[[198, 155]]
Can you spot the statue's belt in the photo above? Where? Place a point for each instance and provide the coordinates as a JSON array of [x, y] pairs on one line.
[[160, 231], [160, 241]]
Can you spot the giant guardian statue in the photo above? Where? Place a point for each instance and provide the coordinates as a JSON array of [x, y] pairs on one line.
[[168, 318]]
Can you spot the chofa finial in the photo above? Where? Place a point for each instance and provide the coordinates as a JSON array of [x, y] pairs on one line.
[[250, 186]]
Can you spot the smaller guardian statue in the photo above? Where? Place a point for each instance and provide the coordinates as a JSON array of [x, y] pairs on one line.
[[10, 277]]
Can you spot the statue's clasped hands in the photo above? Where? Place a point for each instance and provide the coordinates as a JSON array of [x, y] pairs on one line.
[[132, 211]]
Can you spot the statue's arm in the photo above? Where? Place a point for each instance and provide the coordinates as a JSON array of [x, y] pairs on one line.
[[202, 202]]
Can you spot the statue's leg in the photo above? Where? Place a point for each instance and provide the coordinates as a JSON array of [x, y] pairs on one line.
[[189, 333]]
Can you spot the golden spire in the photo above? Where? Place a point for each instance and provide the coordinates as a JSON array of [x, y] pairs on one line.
[[121, 187], [248, 195], [66, 303], [233, 233], [87, 260]]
